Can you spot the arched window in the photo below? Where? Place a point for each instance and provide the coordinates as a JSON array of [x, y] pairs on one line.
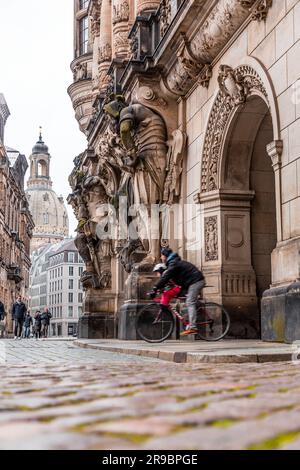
[[46, 218], [42, 168]]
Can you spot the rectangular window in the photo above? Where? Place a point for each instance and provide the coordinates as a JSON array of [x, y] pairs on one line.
[[71, 284], [71, 299], [83, 35], [80, 271], [83, 4], [80, 298], [71, 270], [70, 311]]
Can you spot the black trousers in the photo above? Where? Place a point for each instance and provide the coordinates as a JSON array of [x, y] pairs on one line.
[[18, 328]]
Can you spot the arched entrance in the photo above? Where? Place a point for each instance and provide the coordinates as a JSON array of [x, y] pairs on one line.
[[239, 199], [251, 233]]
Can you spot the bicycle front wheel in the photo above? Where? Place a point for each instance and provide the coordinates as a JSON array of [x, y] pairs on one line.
[[213, 322], [153, 324]]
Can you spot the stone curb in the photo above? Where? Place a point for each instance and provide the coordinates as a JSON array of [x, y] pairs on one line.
[[183, 357]]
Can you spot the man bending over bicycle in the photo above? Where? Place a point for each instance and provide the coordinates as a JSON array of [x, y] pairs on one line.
[[188, 277]]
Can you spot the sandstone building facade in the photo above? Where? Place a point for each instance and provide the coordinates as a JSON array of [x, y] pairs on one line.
[[48, 210], [194, 105], [16, 223]]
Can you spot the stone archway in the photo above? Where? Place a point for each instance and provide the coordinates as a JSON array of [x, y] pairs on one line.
[[239, 197]]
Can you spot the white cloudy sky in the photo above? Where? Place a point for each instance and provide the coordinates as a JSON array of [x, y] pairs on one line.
[[36, 48]]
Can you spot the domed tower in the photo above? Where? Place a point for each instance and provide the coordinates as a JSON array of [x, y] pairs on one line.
[[48, 210]]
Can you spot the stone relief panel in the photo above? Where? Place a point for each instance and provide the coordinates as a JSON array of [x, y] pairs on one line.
[[237, 248], [235, 87], [211, 238]]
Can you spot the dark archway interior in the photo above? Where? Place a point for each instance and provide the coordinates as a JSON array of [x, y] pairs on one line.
[[247, 166]]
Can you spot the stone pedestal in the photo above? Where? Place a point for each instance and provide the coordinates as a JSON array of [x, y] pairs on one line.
[[98, 321], [140, 281], [280, 312], [280, 319]]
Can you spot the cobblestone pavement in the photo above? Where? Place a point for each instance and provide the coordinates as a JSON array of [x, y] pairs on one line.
[[55, 396]]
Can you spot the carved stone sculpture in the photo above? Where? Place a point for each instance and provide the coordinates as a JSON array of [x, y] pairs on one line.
[[211, 238], [174, 166], [143, 135]]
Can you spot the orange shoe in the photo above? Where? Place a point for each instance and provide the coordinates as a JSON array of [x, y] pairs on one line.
[[191, 331]]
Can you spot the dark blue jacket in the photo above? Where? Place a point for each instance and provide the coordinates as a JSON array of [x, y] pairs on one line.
[[19, 311], [183, 273]]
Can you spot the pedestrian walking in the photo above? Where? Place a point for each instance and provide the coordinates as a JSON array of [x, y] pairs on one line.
[[2, 320], [18, 314], [27, 324], [45, 319], [37, 325]]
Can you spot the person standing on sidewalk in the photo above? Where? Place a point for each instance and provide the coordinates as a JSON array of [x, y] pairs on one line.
[[27, 324], [18, 314], [37, 325], [45, 319], [189, 277], [2, 320]]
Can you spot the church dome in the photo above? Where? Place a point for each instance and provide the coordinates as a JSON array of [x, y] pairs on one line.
[[49, 213], [40, 146], [48, 210]]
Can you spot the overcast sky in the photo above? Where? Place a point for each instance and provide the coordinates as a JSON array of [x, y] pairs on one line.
[[36, 48]]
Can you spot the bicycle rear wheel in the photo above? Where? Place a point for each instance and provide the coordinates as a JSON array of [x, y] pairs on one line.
[[213, 322], [153, 324]]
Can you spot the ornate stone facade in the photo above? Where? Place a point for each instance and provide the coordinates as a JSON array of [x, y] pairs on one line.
[[200, 116], [16, 223]]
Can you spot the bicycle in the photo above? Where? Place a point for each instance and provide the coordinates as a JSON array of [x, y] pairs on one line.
[[156, 325]]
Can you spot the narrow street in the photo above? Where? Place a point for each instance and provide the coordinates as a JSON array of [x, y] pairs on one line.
[[57, 396]]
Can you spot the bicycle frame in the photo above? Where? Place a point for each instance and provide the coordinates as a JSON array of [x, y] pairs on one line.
[[181, 318]]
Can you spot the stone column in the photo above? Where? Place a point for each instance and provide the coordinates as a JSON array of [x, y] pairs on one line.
[[120, 19], [105, 44], [280, 317], [226, 262], [274, 150]]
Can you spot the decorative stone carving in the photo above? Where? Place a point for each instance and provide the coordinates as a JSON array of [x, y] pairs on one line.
[[185, 72], [211, 238], [260, 10], [120, 12], [219, 26], [143, 136], [121, 43], [134, 47], [146, 6], [105, 44], [105, 53], [120, 21], [80, 72], [174, 166], [146, 93], [205, 76], [236, 86], [165, 16], [232, 84]]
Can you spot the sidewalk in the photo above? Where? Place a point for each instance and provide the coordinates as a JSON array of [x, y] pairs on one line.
[[226, 351]]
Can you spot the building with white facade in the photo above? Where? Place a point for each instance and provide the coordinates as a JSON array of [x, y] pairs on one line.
[[55, 283], [65, 295]]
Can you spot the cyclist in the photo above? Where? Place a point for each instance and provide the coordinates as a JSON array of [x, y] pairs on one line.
[[171, 289], [186, 275]]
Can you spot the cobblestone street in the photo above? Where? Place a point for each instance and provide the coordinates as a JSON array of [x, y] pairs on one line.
[[57, 396]]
